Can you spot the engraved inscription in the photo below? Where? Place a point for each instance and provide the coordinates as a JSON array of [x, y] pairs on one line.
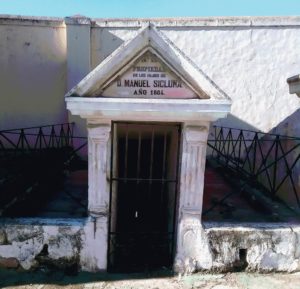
[[149, 77]]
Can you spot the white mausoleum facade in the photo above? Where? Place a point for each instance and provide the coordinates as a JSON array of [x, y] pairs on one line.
[[120, 89], [188, 73]]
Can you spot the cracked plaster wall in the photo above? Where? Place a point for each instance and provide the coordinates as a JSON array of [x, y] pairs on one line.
[[80, 242], [269, 247], [25, 242]]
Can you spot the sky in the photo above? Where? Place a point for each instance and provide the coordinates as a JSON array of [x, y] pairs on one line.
[[149, 8]]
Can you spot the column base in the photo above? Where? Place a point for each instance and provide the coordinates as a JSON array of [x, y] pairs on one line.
[[193, 252], [93, 256]]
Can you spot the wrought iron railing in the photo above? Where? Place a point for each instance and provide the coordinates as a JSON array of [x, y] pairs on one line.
[[14, 142], [268, 160], [33, 160]]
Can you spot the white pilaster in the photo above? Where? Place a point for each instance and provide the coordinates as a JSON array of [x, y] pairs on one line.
[[98, 160], [190, 250], [94, 252]]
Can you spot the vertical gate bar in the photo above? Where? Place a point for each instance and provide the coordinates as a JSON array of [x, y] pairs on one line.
[[110, 195], [126, 154], [164, 156], [139, 156], [163, 173], [138, 171], [176, 190], [151, 165], [151, 154]]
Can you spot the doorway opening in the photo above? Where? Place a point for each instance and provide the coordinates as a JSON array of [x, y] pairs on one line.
[[143, 195]]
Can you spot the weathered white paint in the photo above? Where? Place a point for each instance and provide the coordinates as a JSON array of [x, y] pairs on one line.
[[98, 140], [24, 240], [191, 252], [94, 253], [270, 247], [93, 256]]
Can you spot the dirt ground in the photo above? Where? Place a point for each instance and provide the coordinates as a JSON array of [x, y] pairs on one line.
[[165, 280]]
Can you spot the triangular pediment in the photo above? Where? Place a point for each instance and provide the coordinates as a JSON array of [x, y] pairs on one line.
[[148, 65], [148, 77]]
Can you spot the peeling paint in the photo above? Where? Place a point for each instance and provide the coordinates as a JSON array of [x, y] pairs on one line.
[[267, 247]]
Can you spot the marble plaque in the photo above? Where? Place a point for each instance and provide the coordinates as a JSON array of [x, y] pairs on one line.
[[149, 77]]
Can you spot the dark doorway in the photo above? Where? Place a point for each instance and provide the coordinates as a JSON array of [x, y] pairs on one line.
[[144, 169]]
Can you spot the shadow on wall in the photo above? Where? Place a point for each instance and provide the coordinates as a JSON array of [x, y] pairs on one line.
[[290, 126], [234, 122], [230, 121], [105, 41]]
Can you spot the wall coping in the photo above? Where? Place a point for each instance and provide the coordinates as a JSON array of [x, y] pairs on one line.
[[225, 21], [31, 21], [243, 226]]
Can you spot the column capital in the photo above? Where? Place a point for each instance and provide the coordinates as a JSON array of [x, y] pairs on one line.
[[100, 132], [195, 134]]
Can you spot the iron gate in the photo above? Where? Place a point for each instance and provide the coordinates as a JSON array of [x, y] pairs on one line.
[[143, 194]]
